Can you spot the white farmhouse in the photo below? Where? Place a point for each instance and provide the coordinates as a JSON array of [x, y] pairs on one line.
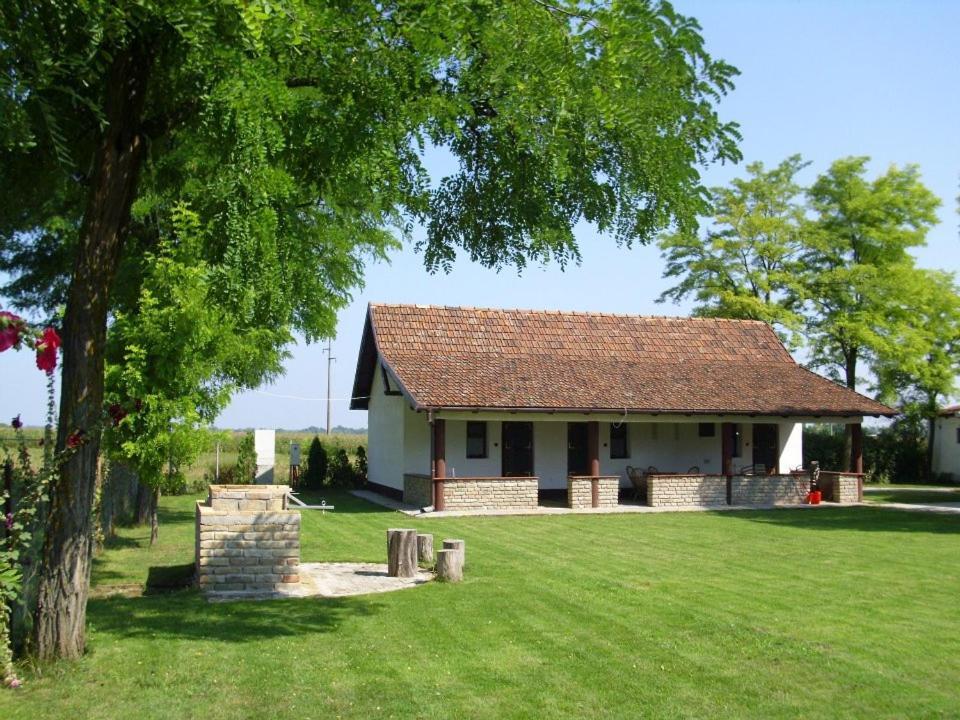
[[477, 408]]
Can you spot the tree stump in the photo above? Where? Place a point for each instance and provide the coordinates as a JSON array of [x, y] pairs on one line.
[[401, 553], [425, 549], [460, 547], [449, 565]]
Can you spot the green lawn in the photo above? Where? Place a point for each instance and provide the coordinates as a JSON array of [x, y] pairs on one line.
[[822, 613], [913, 495]]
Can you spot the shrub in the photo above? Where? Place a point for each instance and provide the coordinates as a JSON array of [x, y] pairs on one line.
[[361, 465], [315, 475], [246, 466], [342, 473]]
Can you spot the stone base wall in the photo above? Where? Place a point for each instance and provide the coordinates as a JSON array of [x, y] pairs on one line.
[[417, 490], [681, 490], [769, 489], [251, 550], [840, 487], [514, 493], [246, 497], [580, 491]]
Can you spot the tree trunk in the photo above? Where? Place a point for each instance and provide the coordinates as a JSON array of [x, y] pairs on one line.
[[141, 513], [65, 572], [851, 378], [401, 553], [154, 520]]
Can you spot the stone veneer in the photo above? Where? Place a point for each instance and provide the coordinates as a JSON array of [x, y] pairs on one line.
[[246, 539], [769, 489], [580, 491], [840, 487], [417, 490], [492, 493], [686, 490]]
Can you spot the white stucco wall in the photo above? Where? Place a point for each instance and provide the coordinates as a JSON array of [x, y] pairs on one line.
[[416, 442], [946, 449], [459, 465], [791, 446], [550, 454], [385, 426]]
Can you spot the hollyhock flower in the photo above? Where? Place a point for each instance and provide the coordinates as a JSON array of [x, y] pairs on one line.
[[117, 413], [17, 423], [10, 327], [47, 350], [75, 439]]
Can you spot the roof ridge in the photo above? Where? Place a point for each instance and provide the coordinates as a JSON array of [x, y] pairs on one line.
[[582, 313]]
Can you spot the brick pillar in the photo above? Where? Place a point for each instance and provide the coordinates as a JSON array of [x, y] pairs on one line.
[[439, 462], [593, 447], [856, 448]]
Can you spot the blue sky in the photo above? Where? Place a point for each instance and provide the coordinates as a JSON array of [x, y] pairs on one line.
[[823, 79]]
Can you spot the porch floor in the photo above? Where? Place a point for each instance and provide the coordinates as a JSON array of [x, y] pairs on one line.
[[622, 508]]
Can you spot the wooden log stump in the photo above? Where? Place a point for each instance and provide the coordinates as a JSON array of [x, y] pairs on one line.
[[459, 546], [401, 552], [425, 549], [449, 565]]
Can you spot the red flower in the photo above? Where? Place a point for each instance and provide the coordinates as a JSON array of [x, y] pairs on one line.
[[75, 439], [17, 423], [47, 350], [117, 413], [10, 327]]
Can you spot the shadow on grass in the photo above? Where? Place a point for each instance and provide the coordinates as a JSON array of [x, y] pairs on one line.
[[188, 615], [862, 519], [343, 502]]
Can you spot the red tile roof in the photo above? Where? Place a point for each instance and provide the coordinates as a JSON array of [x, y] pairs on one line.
[[456, 357]]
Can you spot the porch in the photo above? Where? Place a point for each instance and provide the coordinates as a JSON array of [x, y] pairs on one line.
[[521, 464]]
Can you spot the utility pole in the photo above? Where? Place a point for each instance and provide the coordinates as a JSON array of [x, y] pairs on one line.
[[330, 360]]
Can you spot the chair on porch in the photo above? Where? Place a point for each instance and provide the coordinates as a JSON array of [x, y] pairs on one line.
[[759, 469], [639, 481]]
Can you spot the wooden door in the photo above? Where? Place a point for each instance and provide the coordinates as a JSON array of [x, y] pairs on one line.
[[578, 456], [517, 439], [766, 442]]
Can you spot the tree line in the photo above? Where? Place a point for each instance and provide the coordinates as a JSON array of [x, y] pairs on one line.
[[829, 266]]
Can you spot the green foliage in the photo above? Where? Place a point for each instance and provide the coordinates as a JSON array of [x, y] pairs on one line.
[[833, 273], [246, 467], [857, 263], [747, 265], [295, 135], [316, 473], [896, 453], [341, 471], [361, 465]]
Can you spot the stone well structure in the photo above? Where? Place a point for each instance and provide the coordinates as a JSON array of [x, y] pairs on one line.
[[247, 539]]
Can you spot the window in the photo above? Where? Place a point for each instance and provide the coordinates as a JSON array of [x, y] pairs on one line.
[[618, 441], [476, 439], [708, 430]]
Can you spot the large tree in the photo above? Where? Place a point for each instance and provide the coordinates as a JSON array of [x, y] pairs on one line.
[[293, 130], [747, 262]]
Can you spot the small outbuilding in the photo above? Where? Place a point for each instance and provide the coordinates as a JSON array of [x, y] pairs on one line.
[[490, 408], [946, 443]]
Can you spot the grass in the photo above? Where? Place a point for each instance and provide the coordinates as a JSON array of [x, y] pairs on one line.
[[912, 494], [838, 612]]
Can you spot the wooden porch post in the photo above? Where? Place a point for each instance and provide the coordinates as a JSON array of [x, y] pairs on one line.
[[726, 461], [856, 448], [593, 452], [439, 462]]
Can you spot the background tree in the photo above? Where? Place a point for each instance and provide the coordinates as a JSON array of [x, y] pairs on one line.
[[316, 473], [747, 262], [293, 129], [857, 267], [922, 369]]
